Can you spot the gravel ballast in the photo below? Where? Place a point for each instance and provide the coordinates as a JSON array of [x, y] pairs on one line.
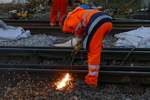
[[24, 86], [35, 40], [28, 88], [44, 40]]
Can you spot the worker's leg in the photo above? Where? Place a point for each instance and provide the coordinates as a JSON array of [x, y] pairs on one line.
[[94, 53], [53, 12], [63, 10]]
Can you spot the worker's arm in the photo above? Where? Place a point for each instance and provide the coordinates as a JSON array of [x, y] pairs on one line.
[[70, 43], [79, 30], [68, 28]]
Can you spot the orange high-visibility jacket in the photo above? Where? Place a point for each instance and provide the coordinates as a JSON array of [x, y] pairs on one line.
[[75, 18]]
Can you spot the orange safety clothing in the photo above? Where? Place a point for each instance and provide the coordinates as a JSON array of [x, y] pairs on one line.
[[95, 25], [74, 19], [91, 80], [58, 6], [94, 52]]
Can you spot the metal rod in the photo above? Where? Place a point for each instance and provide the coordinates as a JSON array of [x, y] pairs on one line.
[[75, 67], [114, 73], [12, 49]]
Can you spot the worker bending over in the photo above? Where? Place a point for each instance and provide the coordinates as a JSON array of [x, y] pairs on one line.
[[90, 26]]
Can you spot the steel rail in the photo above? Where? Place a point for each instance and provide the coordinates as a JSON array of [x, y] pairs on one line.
[[75, 67], [45, 24], [109, 75], [113, 70], [110, 54], [11, 49], [106, 70], [116, 21], [63, 51], [44, 27]]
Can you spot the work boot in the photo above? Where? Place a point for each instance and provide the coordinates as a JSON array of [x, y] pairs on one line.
[[91, 80]]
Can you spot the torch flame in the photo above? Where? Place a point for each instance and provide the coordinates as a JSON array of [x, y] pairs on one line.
[[64, 82]]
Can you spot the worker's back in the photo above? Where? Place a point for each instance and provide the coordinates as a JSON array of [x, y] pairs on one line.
[[75, 17]]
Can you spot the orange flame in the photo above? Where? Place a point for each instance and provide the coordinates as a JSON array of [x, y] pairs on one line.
[[64, 82]]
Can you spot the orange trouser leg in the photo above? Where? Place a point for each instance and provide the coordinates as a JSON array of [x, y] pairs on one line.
[[94, 53], [95, 46], [63, 9], [54, 10]]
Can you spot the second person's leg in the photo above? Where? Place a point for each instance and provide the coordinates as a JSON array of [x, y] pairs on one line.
[[54, 11], [63, 9]]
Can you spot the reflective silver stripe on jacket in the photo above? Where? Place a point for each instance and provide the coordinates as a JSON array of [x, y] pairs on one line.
[[93, 66], [97, 20], [83, 21], [95, 73]]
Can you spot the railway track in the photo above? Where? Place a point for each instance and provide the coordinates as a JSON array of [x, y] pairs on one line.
[[44, 27], [62, 54], [112, 70], [115, 61], [119, 66], [110, 74], [108, 54]]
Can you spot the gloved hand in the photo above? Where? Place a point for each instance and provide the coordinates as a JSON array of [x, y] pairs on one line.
[[77, 47], [71, 43]]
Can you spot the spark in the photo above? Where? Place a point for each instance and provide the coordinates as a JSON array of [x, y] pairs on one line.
[[64, 82]]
